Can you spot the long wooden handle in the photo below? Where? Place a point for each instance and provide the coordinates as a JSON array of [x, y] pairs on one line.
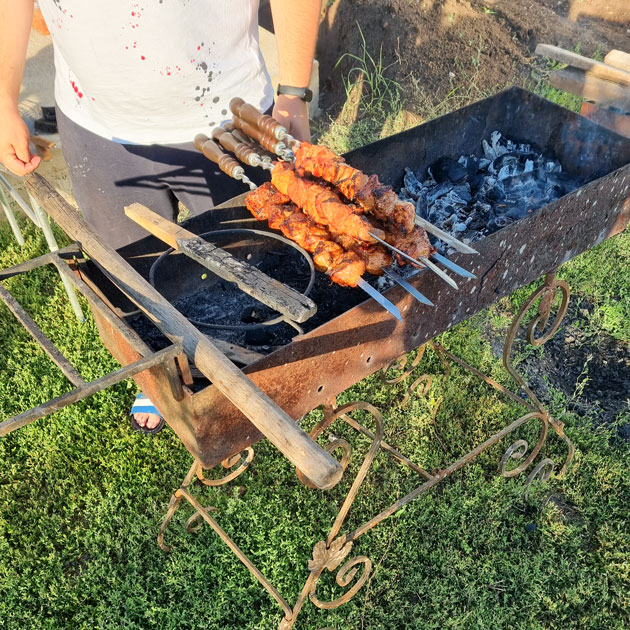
[[214, 153], [591, 88], [618, 59], [595, 68], [249, 279], [266, 124], [263, 413], [244, 152]]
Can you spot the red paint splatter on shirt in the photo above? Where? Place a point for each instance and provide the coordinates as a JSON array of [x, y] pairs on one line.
[[75, 87], [142, 57]]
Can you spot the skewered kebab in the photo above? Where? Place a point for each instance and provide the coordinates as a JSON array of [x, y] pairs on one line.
[[322, 205], [378, 199], [343, 267], [268, 203], [269, 127], [391, 209]]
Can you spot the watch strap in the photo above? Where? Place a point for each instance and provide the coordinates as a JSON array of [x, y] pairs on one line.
[[304, 93]]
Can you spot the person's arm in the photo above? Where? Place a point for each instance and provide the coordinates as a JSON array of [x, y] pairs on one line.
[[295, 23], [15, 27]]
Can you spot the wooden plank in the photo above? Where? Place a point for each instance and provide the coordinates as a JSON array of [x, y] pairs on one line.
[[618, 59], [595, 68], [263, 413], [249, 279], [591, 88]]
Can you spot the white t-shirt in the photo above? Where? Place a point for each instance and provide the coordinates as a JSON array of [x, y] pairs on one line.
[[155, 71]]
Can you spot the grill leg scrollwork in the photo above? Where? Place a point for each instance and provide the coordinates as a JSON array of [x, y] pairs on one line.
[[334, 553]]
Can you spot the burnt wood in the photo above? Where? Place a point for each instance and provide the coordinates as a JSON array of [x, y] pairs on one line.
[[248, 278]]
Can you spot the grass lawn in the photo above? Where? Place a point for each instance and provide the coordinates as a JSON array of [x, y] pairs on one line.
[[82, 496]]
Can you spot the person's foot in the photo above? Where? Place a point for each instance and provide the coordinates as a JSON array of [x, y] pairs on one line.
[[145, 418]]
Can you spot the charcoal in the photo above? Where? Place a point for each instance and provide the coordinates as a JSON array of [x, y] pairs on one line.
[[476, 195], [258, 337], [446, 169], [413, 186]]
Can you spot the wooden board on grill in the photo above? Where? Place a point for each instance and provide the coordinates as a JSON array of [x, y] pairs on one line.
[[249, 279]]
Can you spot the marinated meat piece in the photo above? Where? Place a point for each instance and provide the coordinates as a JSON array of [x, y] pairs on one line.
[[376, 198], [321, 204]]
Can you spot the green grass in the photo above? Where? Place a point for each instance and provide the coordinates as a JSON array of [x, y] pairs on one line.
[[81, 497]]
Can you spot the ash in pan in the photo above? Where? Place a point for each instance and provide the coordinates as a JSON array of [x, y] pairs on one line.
[[475, 196]]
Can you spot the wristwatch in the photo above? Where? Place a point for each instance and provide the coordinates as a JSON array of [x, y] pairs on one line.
[[304, 93]]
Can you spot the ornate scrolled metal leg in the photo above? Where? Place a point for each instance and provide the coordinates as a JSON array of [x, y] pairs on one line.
[[519, 448], [537, 335], [424, 382], [546, 293], [173, 506], [330, 553], [245, 458]]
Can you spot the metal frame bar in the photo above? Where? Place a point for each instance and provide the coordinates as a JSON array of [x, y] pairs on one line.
[[37, 215], [330, 553], [82, 389]]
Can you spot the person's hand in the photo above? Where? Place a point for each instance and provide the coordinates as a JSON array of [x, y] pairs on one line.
[[15, 153], [292, 113]]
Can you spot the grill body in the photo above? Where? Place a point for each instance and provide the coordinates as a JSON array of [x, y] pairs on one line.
[[317, 366]]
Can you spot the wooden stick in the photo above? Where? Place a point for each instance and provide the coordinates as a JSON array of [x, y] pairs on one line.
[[594, 68], [273, 422], [249, 279], [618, 59], [591, 88]]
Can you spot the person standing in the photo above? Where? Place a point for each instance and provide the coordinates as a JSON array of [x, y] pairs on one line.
[[135, 81]]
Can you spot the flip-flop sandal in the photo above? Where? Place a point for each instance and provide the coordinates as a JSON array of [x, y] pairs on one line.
[[143, 405]]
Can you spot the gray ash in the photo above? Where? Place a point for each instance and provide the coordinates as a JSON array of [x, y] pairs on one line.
[[477, 195]]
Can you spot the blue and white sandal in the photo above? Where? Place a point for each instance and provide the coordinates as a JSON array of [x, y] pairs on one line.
[[143, 405]]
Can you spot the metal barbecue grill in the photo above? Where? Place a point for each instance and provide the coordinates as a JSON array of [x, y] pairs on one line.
[[358, 338]]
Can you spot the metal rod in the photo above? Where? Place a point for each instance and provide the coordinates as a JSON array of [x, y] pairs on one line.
[[253, 569], [381, 299], [243, 178], [454, 267], [444, 236], [18, 199], [386, 447], [52, 245], [408, 287], [435, 269], [38, 334], [425, 261], [439, 476], [21, 420], [8, 211]]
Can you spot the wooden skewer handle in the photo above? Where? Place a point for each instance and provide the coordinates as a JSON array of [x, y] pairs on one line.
[[242, 151], [266, 124], [265, 141], [241, 137], [214, 153]]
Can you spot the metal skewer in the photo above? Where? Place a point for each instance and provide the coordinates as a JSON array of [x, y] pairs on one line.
[[408, 287], [381, 299], [454, 267], [444, 236], [424, 261]]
